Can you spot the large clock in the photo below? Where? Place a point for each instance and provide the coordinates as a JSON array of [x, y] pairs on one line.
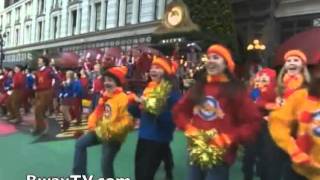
[[175, 16]]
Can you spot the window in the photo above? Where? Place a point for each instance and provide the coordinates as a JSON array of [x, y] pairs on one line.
[[55, 27], [74, 21], [8, 37], [112, 13], [98, 15], [41, 6], [1, 21], [8, 18], [28, 10], [27, 35], [147, 10], [17, 37], [291, 27], [40, 31], [18, 14], [129, 6]]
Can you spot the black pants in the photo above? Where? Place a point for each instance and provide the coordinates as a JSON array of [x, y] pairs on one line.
[[265, 157], [290, 174], [149, 155]]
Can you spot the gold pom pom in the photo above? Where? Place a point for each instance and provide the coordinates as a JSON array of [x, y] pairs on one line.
[[202, 152], [157, 98]]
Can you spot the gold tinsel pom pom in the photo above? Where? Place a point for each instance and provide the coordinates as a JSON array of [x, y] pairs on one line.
[[157, 98], [202, 152], [108, 130]]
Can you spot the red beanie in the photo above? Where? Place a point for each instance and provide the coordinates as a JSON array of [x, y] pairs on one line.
[[119, 72]]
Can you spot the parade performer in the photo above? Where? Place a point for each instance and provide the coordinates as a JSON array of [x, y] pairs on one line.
[[15, 99], [263, 93], [296, 130], [212, 117], [43, 94], [97, 85], [108, 125], [156, 124], [3, 95], [29, 92], [293, 75], [68, 95], [7, 84]]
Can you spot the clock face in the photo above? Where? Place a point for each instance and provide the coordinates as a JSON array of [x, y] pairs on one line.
[[175, 16]]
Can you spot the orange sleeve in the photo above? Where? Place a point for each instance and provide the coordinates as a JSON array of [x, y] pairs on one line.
[[96, 115], [281, 120]]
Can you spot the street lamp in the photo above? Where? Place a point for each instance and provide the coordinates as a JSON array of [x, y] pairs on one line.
[[256, 45]]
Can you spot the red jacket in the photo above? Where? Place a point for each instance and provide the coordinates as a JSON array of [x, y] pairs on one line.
[[2, 80], [19, 81], [44, 79], [238, 117], [97, 85]]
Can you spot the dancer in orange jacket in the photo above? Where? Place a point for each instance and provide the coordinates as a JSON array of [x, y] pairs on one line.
[[296, 129]]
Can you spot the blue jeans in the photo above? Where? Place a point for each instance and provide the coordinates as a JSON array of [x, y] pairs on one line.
[[109, 152], [220, 172], [95, 100]]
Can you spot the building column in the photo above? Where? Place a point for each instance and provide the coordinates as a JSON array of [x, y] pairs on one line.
[[33, 29], [64, 19], [78, 21], [161, 9], [122, 13], [135, 12], [47, 21], [85, 17], [69, 31], [103, 14], [93, 18]]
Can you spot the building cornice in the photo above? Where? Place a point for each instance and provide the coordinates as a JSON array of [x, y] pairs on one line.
[[296, 8], [120, 32]]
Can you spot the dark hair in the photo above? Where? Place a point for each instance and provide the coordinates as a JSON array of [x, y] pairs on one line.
[[20, 67], [230, 88], [45, 59], [116, 79]]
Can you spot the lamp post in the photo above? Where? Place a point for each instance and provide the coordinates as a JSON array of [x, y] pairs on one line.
[[255, 49]]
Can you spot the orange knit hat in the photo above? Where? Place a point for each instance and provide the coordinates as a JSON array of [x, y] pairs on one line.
[[225, 53], [295, 52], [119, 73], [169, 67]]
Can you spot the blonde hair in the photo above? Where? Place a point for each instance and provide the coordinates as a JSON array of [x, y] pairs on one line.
[[280, 88], [70, 74]]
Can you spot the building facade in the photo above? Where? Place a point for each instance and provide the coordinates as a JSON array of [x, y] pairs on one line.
[[76, 25], [273, 21]]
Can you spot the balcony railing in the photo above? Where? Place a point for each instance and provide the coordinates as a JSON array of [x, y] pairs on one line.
[[17, 22], [27, 18]]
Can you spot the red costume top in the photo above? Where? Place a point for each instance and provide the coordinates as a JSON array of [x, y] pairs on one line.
[[2, 80], [19, 81], [44, 78], [238, 117], [97, 85]]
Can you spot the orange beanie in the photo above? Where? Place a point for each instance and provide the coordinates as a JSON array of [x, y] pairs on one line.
[[225, 53], [295, 52], [119, 72], [169, 67]]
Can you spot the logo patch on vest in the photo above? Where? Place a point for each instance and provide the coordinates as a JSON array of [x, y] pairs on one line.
[[209, 110], [107, 111]]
